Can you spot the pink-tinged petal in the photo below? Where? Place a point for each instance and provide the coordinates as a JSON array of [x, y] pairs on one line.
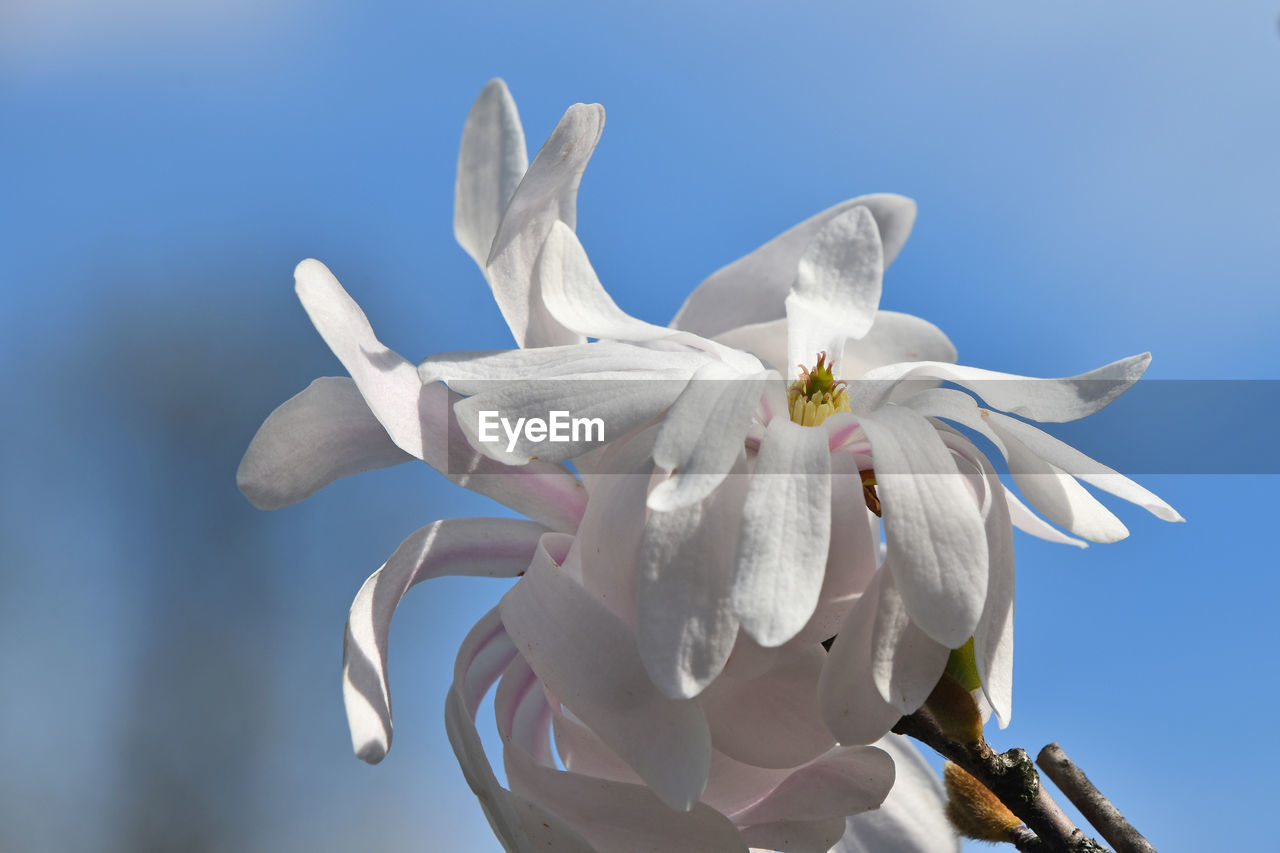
[[752, 289], [583, 752], [772, 721], [905, 663], [485, 643], [312, 439], [1047, 400], [894, 338], [847, 696], [613, 815], [845, 781], [477, 547], [912, 818], [837, 288], [621, 817], [800, 836], [786, 529], [685, 624], [1082, 467], [936, 545], [523, 713], [703, 433], [587, 657], [419, 419], [548, 193], [491, 161], [520, 825]]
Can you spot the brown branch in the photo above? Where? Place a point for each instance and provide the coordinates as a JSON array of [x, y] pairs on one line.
[[1096, 808], [1010, 776]]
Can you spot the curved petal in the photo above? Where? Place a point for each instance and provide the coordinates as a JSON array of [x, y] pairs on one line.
[[1080, 466], [1028, 522], [587, 657], [476, 372], [618, 816], [936, 545], [893, 338], [419, 418], [491, 161], [752, 289], [837, 288], [771, 721], [847, 696], [388, 383], [847, 780], [685, 624], [1047, 400], [547, 193], [795, 836], [521, 826], [325, 432], [703, 433], [905, 663], [912, 818], [479, 547], [785, 535]]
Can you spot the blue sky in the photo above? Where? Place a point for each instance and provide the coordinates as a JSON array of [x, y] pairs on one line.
[[1092, 181]]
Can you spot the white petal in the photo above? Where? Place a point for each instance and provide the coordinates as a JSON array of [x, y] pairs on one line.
[[786, 528], [811, 836], [993, 640], [547, 193], [388, 383], [703, 433], [905, 663], [474, 372], [481, 547], [847, 696], [1048, 400], [312, 439], [936, 544], [685, 624], [603, 410], [767, 341], [845, 781], [893, 338], [418, 418], [912, 818], [491, 161], [608, 542], [617, 816], [838, 280], [1028, 522], [588, 658], [771, 721], [752, 288], [1082, 467]]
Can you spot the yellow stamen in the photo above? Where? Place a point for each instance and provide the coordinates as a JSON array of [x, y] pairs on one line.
[[816, 395]]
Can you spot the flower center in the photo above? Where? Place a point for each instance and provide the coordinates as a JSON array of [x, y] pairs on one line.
[[816, 395]]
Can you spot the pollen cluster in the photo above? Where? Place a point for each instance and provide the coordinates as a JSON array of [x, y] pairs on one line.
[[816, 395]]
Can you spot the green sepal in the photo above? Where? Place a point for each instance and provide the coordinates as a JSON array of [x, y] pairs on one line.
[[963, 668]]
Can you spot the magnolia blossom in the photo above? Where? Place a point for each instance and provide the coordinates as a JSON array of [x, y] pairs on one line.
[[750, 761], [947, 577]]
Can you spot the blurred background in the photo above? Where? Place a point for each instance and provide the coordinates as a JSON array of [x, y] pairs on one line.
[[1094, 180]]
